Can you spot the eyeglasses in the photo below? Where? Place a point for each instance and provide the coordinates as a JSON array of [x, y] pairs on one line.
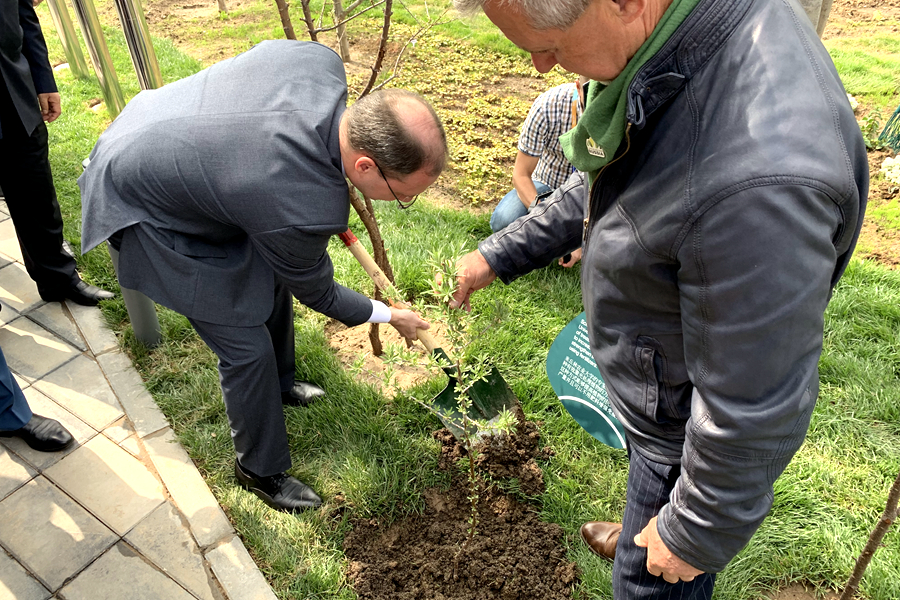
[[403, 205]]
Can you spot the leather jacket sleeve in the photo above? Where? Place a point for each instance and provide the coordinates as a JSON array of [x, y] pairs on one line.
[[752, 304], [553, 228]]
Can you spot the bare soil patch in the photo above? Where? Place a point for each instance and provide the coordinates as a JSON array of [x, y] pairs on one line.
[[878, 242], [514, 555], [354, 350]]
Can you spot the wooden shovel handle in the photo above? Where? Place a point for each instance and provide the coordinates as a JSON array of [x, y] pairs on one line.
[[381, 281]]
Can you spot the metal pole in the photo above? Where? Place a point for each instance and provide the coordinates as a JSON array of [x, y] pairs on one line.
[[141, 309], [68, 37], [103, 66], [137, 36]]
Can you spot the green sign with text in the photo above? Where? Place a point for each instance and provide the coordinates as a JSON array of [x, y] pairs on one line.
[[577, 381]]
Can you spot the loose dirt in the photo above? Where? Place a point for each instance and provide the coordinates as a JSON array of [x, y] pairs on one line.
[[514, 555], [354, 350]]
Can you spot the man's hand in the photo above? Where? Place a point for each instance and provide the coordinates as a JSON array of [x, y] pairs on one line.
[[472, 273], [660, 560], [51, 106], [407, 322], [574, 257]]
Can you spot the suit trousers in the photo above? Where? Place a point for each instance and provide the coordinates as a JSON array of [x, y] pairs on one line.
[[14, 411], [27, 184], [256, 364], [649, 485]]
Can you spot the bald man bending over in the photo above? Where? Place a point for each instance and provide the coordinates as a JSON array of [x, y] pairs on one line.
[[221, 191]]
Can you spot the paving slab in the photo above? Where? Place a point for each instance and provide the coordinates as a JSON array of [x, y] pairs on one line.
[[52, 536], [139, 405], [237, 573], [132, 445], [9, 243], [18, 290], [32, 351], [115, 486], [14, 473], [7, 313], [93, 328], [54, 317], [16, 583], [164, 531], [187, 488], [22, 383], [81, 388], [119, 430], [44, 406], [121, 569]]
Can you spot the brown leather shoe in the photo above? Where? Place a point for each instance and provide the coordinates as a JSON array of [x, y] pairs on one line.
[[602, 537]]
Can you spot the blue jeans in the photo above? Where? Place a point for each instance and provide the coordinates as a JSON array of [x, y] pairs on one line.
[[511, 208], [14, 411]]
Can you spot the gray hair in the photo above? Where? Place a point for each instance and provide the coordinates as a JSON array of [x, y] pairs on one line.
[[375, 127], [541, 14]]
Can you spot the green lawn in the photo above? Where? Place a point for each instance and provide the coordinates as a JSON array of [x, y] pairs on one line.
[[378, 453]]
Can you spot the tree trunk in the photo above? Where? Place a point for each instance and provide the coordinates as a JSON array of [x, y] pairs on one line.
[[285, 19], [364, 210], [888, 516], [222, 7], [307, 17], [341, 30]]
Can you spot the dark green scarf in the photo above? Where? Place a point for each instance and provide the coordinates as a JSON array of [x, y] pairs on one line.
[[594, 140]]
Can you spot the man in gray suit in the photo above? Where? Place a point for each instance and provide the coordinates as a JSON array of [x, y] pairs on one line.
[[222, 190]]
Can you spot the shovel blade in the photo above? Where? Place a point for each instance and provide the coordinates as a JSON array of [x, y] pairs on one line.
[[490, 396]]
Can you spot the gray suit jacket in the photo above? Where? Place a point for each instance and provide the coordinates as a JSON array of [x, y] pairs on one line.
[[225, 180]]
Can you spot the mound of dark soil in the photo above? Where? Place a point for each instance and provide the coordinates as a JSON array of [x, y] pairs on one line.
[[514, 555]]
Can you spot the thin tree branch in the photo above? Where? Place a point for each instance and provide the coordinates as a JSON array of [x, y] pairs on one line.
[[322, 29], [382, 47], [888, 517], [396, 69], [352, 5]]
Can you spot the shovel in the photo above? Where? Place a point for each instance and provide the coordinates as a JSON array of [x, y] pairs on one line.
[[490, 396]]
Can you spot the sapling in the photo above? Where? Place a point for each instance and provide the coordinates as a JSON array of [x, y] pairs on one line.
[[468, 368]]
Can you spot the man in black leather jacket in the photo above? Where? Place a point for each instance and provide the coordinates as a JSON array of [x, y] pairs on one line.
[[721, 219]]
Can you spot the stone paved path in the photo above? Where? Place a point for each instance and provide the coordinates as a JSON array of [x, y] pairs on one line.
[[124, 512]]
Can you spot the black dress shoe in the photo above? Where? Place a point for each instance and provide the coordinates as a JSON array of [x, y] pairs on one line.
[[302, 394], [281, 491], [43, 434], [79, 292]]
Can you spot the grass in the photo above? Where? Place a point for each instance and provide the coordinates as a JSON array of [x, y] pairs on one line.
[[372, 457]]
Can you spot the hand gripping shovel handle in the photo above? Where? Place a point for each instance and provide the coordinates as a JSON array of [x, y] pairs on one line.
[[380, 280]]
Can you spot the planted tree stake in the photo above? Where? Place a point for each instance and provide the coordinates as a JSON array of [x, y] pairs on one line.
[[888, 516]]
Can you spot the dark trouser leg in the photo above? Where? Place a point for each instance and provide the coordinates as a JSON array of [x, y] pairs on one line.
[[649, 485], [31, 198], [281, 329], [251, 390], [14, 411]]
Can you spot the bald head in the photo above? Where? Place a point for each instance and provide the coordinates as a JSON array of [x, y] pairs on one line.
[[399, 130]]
